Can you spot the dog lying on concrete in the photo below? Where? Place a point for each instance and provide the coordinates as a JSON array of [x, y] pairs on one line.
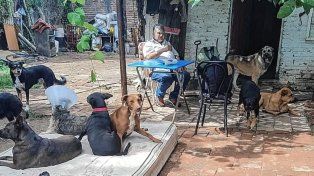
[[126, 119], [63, 122], [102, 138], [254, 65], [249, 98], [277, 103], [31, 150], [24, 78], [10, 106]]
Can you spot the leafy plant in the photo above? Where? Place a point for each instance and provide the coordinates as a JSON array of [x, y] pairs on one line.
[[6, 9], [287, 6], [77, 18], [5, 78]]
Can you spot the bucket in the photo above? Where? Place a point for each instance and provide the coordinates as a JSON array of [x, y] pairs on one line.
[[61, 95]]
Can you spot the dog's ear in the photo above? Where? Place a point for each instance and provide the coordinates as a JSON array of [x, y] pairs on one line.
[[124, 98], [284, 92], [91, 100], [107, 96], [140, 95], [260, 52], [19, 121], [21, 63]]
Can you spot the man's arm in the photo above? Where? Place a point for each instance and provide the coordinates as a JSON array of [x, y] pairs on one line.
[[151, 53]]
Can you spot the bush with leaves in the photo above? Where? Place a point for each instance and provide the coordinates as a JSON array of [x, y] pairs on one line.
[[287, 6], [77, 18], [6, 9]]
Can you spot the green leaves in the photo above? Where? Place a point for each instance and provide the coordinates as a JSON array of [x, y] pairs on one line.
[[82, 2], [93, 76], [83, 44], [98, 55], [287, 8], [90, 27], [194, 2]]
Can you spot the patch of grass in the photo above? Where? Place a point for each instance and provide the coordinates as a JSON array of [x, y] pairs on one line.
[[5, 78]]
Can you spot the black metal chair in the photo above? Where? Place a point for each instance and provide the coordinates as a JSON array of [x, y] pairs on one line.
[[215, 85]]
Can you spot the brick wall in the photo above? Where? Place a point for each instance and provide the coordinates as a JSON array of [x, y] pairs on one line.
[[92, 7], [296, 56], [208, 21]]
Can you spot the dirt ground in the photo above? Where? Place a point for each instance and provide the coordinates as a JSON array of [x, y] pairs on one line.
[[76, 68]]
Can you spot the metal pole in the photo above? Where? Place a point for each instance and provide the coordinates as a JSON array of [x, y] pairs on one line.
[[122, 47]]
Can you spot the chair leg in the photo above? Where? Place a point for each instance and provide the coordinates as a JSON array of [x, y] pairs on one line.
[[204, 113], [199, 116], [186, 104], [225, 118]]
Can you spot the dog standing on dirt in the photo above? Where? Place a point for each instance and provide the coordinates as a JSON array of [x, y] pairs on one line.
[[254, 65], [249, 97], [126, 119], [24, 78], [30, 150], [102, 138], [277, 103], [10, 106]]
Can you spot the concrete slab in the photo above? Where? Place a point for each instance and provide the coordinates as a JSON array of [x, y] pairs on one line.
[[144, 157]]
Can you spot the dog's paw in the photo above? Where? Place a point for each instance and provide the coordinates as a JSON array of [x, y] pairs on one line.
[[157, 141]]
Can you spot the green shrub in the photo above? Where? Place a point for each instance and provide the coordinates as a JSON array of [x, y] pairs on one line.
[[5, 78]]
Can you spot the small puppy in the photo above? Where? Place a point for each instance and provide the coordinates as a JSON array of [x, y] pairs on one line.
[[250, 97], [277, 103], [10, 106], [63, 122], [254, 65], [24, 78], [102, 138], [126, 119], [30, 150]]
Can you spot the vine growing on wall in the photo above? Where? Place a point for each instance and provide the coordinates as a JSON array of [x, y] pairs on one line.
[[6, 9], [77, 18], [287, 6]]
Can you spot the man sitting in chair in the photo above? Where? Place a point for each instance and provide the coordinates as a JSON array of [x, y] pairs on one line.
[[158, 47]]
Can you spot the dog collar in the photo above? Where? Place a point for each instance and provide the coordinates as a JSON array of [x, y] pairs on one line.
[[100, 109]]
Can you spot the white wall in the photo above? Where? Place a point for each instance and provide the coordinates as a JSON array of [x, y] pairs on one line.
[[296, 55], [208, 21]]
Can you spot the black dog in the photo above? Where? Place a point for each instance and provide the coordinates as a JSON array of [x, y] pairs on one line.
[[249, 97], [102, 138], [24, 78], [31, 150], [10, 106]]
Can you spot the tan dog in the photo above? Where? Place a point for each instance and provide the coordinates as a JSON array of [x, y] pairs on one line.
[[126, 118], [277, 103], [254, 65]]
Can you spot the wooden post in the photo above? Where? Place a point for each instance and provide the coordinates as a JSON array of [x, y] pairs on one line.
[[122, 47]]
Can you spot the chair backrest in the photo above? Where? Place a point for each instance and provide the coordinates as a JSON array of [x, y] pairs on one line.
[[215, 78]]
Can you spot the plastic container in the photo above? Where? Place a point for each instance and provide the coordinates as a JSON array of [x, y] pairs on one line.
[[61, 95]]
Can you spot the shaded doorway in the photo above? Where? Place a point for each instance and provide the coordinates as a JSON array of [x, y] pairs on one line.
[[254, 24]]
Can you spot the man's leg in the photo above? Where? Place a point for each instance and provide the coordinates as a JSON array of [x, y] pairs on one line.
[[174, 94], [165, 80]]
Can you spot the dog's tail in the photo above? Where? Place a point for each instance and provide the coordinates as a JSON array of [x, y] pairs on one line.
[[126, 149], [60, 82]]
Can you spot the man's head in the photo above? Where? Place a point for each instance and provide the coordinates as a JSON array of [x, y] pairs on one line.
[[159, 33]]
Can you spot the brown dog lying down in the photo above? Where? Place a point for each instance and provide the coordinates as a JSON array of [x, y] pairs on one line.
[[277, 103], [126, 119]]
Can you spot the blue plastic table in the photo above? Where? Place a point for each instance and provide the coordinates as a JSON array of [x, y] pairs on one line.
[[173, 69]]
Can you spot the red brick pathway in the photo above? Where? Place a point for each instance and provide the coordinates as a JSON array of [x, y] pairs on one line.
[[242, 153]]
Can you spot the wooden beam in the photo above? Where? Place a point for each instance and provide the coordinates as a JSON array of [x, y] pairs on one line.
[[120, 12]]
